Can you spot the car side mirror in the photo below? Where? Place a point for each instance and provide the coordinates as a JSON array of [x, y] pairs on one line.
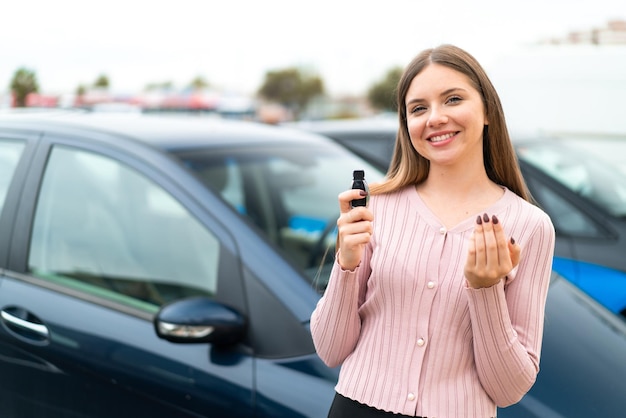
[[199, 320]]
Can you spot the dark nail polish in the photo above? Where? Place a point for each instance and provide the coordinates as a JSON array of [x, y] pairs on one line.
[[512, 240], [494, 219], [362, 192], [479, 220], [485, 218]]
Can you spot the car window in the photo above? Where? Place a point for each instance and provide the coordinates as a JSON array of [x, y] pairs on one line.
[[567, 218], [10, 152], [290, 194], [104, 228], [375, 146], [592, 175]]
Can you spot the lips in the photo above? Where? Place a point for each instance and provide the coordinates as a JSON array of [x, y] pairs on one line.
[[441, 138]]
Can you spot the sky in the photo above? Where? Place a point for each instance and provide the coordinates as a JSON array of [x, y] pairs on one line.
[[233, 43]]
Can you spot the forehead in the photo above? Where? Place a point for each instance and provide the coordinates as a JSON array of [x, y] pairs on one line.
[[437, 78]]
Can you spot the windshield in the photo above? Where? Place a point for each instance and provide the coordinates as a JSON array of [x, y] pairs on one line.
[[594, 168], [289, 192]]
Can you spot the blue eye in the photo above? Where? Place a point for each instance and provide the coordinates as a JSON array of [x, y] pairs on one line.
[[454, 99]]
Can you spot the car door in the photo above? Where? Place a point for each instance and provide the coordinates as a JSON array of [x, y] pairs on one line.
[[586, 244], [14, 155], [101, 238]]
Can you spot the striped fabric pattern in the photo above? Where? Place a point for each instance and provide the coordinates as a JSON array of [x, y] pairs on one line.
[[412, 338]]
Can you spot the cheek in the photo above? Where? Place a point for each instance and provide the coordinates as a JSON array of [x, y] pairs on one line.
[[416, 130]]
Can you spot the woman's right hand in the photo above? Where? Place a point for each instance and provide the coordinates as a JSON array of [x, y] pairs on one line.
[[354, 229]]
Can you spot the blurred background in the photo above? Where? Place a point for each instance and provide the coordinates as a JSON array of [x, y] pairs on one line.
[[559, 65]]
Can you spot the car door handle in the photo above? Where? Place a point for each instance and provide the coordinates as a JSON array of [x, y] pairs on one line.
[[16, 322]]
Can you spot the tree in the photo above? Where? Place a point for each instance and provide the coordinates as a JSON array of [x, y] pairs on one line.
[[102, 82], [23, 83], [163, 85], [199, 83], [382, 95], [291, 88], [81, 90]]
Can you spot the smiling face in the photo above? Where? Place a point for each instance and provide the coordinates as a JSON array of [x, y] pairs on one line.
[[445, 116]]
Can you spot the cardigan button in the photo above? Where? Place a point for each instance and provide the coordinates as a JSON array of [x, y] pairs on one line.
[[411, 396]]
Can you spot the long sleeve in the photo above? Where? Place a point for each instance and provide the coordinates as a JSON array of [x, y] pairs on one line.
[[411, 338], [507, 319], [335, 322]]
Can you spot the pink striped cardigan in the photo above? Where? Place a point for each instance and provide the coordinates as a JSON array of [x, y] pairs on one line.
[[412, 338]]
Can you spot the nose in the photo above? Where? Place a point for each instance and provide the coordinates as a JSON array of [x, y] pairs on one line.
[[437, 117]]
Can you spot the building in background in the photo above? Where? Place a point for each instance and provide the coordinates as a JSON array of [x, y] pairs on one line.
[[613, 33]]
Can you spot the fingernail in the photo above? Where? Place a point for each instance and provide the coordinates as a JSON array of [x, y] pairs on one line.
[[485, 218], [479, 220], [362, 192], [494, 219], [512, 240]]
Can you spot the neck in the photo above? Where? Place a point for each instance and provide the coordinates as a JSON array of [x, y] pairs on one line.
[[458, 180], [454, 194]]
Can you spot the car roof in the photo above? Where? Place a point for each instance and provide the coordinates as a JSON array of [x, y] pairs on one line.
[[163, 131], [379, 123]]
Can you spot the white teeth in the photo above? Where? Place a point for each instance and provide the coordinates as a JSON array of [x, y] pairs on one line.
[[441, 137]]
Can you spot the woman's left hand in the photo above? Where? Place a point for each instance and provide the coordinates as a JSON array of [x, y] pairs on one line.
[[491, 256]]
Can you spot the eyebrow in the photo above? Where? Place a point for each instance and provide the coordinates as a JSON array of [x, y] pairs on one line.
[[443, 93]]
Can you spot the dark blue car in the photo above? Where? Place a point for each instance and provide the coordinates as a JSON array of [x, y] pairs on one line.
[[167, 267]]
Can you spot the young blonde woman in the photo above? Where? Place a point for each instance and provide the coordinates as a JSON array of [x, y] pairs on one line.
[[435, 304]]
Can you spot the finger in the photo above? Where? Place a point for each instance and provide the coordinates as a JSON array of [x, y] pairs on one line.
[[348, 196], [479, 242], [504, 258], [494, 267], [358, 214], [352, 241], [491, 245], [352, 238], [471, 252], [515, 251], [353, 228]]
